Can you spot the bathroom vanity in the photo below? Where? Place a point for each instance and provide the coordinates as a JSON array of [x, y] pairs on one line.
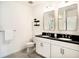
[[56, 47], [64, 45], [64, 49]]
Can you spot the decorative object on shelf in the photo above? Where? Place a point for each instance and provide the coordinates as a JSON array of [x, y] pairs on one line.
[[36, 22]]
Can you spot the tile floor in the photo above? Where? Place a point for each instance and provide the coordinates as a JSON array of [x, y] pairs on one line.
[[23, 54]]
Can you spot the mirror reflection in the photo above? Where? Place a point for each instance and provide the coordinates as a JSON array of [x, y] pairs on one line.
[[71, 17], [67, 18], [49, 20], [61, 19]]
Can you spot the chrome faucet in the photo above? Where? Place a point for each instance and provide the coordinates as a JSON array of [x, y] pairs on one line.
[[63, 36], [69, 36], [66, 35], [55, 35]]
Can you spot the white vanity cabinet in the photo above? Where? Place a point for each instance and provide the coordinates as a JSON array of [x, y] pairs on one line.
[[56, 49], [64, 50], [43, 46]]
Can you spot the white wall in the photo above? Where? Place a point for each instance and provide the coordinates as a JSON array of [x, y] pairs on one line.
[[45, 6], [15, 16]]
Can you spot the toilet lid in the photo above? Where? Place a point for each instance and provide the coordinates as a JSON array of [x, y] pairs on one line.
[[30, 43]]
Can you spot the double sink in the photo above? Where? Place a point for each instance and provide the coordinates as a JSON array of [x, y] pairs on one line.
[[61, 37], [68, 39]]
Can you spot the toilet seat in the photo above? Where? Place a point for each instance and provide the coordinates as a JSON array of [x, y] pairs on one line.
[[30, 44]]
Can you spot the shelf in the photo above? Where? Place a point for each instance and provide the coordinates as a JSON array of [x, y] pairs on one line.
[[36, 24], [36, 21]]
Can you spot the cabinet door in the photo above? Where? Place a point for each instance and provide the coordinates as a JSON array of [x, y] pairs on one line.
[[46, 47], [69, 53], [56, 51], [46, 50], [43, 47], [38, 46]]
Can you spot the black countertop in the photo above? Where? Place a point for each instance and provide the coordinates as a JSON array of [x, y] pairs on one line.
[[51, 38]]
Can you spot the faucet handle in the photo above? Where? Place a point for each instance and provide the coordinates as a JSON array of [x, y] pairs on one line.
[[66, 36], [69, 36], [62, 36]]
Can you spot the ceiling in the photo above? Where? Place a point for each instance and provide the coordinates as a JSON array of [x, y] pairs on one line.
[[34, 3]]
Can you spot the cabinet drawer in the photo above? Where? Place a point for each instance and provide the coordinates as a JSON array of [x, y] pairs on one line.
[[65, 44], [44, 40]]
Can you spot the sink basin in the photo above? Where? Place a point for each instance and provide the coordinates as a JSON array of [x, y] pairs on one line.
[[64, 39], [45, 36]]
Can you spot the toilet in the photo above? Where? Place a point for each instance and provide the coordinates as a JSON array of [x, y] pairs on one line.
[[29, 45]]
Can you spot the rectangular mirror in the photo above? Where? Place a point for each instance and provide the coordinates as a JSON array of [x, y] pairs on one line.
[[49, 20], [67, 18], [71, 17]]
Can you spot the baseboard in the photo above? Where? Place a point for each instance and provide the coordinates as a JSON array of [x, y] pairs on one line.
[[17, 50], [40, 55]]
